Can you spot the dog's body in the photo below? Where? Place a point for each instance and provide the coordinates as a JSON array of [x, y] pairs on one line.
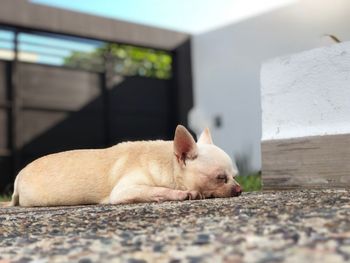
[[129, 172]]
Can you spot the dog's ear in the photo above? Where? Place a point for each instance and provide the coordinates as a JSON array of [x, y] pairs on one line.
[[205, 137], [184, 145]]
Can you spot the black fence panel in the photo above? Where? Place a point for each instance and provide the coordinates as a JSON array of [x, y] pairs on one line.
[[140, 109]]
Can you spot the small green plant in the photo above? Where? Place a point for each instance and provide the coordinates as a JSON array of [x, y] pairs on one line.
[[250, 182], [5, 198]]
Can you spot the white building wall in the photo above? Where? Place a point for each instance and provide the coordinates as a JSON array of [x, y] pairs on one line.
[[307, 94], [227, 61]]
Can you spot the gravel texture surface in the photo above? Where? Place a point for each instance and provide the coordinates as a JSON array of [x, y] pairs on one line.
[[283, 226]]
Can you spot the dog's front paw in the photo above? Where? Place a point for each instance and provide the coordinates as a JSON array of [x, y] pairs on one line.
[[191, 195], [185, 195]]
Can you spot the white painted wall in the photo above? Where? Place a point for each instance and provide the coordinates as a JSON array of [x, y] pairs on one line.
[[226, 66], [307, 94]]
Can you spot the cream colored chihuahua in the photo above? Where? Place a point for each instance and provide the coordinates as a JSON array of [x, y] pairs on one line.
[[130, 172]]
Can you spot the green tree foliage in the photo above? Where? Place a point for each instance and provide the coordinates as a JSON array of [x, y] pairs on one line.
[[126, 60]]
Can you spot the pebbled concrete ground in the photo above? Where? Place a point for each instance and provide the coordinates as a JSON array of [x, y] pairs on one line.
[[283, 226]]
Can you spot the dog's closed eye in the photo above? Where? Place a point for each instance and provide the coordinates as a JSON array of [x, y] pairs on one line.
[[222, 178]]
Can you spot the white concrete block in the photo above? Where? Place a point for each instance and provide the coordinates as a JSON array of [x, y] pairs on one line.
[[307, 94]]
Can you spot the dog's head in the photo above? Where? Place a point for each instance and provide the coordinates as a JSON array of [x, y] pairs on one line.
[[205, 167]]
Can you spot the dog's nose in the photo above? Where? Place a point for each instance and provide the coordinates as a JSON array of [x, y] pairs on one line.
[[236, 190]]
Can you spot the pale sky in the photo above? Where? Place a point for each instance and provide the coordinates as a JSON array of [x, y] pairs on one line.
[[191, 16]]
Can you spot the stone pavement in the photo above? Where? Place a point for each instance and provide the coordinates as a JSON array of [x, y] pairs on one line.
[[283, 226]]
